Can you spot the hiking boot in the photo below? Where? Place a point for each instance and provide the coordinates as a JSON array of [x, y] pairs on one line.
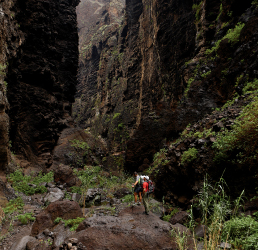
[[139, 203]]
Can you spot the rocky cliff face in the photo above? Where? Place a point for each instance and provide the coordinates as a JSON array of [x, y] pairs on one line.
[[41, 45], [172, 63], [10, 37]]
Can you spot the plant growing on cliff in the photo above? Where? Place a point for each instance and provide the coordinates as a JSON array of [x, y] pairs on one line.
[[159, 159], [197, 9], [251, 86], [239, 145], [232, 35], [189, 155], [2, 69], [116, 115]]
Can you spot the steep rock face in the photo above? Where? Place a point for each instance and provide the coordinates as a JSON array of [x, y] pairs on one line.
[[10, 38], [42, 77], [164, 73], [134, 79]]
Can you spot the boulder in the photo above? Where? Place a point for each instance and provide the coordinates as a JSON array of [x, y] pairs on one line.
[[180, 229], [126, 231], [64, 174], [37, 245], [64, 209], [225, 245], [76, 197], [60, 234], [200, 230], [21, 243], [93, 196], [55, 194], [180, 217], [121, 192], [6, 193]]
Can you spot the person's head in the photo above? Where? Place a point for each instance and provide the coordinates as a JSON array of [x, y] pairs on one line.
[[135, 174], [145, 178]]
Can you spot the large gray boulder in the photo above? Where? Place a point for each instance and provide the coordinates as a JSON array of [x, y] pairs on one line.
[[21, 243]]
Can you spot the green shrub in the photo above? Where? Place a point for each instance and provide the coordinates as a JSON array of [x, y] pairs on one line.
[[232, 35], [128, 198], [189, 155], [57, 220], [20, 182], [242, 231], [25, 218], [169, 216], [73, 223], [116, 115], [197, 8], [239, 144], [14, 205], [251, 86], [81, 145]]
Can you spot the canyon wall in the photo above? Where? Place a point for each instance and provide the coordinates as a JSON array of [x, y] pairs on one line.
[[40, 42], [169, 66]]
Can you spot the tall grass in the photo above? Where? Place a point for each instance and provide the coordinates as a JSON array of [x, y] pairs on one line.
[[216, 210]]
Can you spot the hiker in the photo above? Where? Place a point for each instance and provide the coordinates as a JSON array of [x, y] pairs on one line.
[[137, 188], [145, 191]]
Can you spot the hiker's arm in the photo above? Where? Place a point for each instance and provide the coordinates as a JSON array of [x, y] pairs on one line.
[[135, 183]]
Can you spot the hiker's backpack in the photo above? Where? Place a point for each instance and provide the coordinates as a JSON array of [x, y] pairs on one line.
[[141, 181], [151, 186]]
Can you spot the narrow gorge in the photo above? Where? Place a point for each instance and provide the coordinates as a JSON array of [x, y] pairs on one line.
[[93, 90]]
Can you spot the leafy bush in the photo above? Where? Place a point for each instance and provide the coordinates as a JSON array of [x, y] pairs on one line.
[[14, 205], [232, 35], [242, 231], [197, 8], [189, 155], [160, 158], [251, 86], [239, 144], [57, 220], [168, 217], [21, 182], [128, 198], [25, 218], [81, 145], [73, 223]]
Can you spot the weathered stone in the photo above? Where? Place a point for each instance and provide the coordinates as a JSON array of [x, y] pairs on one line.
[[64, 174], [55, 194], [180, 218], [180, 229], [112, 232], [225, 245], [21, 243], [200, 231], [121, 192], [64, 209], [76, 197]]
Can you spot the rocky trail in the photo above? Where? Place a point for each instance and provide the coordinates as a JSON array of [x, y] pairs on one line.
[[105, 223]]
